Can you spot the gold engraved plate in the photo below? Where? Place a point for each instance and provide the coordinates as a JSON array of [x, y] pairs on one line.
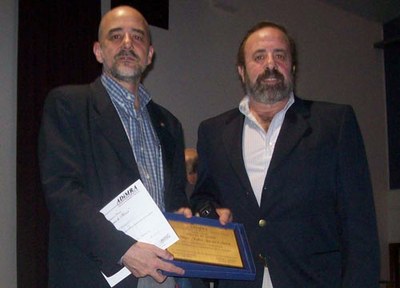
[[205, 244]]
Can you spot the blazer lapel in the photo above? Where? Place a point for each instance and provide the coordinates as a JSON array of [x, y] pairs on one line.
[[294, 127], [232, 139], [110, 125]]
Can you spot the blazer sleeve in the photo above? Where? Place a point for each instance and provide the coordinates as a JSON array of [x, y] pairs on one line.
[[64, 182], [358, 229], [205, 189]]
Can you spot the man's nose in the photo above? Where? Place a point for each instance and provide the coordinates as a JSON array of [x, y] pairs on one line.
[[127, 40], [270, 62]]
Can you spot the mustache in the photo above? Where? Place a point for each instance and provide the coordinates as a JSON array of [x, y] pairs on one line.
[[270, 73], [125, 53]]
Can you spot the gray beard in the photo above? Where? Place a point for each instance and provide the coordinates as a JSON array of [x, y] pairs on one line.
[[130, 78]]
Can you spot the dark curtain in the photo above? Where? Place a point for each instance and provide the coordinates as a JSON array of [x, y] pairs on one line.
[[391, 46], [54, 47]]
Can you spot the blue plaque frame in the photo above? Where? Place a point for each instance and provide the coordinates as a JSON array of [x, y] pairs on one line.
[[199, 270]]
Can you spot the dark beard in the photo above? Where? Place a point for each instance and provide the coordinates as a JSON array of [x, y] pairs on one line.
[[266, 93]]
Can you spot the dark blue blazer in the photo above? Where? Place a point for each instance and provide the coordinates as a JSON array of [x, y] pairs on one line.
[[85, 161], [317, 201]]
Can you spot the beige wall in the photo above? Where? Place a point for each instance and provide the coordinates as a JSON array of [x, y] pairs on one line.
[[8, 96], [195, 77]]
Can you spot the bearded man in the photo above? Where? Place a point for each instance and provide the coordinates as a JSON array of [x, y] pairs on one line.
[[294, 172]]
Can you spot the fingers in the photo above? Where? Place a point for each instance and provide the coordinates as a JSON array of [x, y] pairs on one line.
[[158, 276], [155, 274], [144, 259], [185, 211], [225, 215], [169, 267]]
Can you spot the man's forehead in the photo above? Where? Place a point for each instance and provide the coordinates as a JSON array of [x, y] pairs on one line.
[[122, 19], [268, 35], [124, 23], [263, 41]]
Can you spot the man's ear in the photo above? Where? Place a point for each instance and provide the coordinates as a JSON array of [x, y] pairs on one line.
[[294, 69], [150, 55], [241, 72], [97, 52]]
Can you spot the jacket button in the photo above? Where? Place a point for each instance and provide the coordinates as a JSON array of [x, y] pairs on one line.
[[262, 222]]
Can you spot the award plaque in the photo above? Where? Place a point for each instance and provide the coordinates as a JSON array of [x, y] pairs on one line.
[[207, 249]]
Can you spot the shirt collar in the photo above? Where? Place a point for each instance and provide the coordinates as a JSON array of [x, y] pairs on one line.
[[120, 94], [245, 109]]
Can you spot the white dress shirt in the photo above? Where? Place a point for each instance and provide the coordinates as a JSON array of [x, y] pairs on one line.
[[258, 147]]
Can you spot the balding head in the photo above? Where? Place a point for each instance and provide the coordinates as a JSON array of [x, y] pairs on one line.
[[121, 12]]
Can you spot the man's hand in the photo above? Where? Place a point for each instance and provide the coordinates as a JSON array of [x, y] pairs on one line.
[[225, 215], [144, 259], [185, 211]]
